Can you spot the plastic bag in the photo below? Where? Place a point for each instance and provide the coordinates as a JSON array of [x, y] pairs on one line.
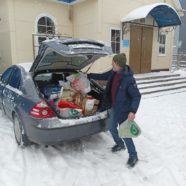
[[70, 113], [52, 91], [79, 82], [129, 129], [67, 104], [65, 84]]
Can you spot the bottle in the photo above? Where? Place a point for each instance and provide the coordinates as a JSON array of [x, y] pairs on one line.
[[89, 105]]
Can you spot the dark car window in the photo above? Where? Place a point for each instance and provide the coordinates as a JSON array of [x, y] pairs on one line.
[[53, 57], [44, 77], [15, 78], [6, 75]]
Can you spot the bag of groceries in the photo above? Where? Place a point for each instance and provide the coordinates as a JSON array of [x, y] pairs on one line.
[[79, 82], [70, 112]]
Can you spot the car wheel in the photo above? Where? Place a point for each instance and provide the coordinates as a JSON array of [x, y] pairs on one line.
[[19, 132]]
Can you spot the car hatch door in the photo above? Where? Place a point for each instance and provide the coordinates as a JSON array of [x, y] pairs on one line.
[[68, 54]]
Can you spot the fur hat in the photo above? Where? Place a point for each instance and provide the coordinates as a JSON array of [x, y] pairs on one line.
[[120, 59]]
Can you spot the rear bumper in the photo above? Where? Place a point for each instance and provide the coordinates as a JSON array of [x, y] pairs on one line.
[[52, 136]]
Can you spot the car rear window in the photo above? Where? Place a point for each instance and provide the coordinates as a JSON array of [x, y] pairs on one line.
[[43, 77], [54, 57]]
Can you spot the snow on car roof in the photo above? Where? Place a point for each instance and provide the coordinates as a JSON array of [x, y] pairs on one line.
[[26, 65]]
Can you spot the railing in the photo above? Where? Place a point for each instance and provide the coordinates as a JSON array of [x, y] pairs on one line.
[[38, 38], [179, 62]]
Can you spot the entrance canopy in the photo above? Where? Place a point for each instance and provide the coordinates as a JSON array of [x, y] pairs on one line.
[[163, 13], [67, 1]]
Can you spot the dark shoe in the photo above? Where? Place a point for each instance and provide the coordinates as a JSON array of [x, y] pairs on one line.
[[132, 162], [116, 148]]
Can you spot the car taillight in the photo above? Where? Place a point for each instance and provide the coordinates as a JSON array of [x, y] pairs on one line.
[[41, 110]]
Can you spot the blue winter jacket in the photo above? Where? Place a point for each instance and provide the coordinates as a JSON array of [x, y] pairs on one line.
[[127, 96]]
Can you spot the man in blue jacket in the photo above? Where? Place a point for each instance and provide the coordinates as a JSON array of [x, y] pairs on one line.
[[123, 97]]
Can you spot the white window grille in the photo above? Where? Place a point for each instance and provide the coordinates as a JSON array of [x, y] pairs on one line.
[[162, 43], [45, 28], [115, 40]]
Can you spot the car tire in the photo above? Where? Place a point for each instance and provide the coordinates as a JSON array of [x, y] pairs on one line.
[[19, 133]]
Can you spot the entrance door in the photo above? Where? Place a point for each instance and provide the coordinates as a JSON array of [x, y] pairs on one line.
[[140, 48]]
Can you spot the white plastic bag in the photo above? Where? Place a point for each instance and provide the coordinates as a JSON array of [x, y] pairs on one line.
[[79, 82], [129, 129]]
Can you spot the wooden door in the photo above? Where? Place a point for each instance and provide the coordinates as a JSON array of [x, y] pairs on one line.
[[146, 49], [140, 48], [135, 49]]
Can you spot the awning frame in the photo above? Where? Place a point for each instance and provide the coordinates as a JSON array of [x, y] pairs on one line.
[[141, 24], [163, 14], [126, 29], [67, 2]]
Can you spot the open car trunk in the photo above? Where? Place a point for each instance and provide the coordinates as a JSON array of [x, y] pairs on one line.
[[70, 93], [56, 72]]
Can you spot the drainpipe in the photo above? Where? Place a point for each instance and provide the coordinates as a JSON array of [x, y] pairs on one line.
[[70, 12], [70, 17]]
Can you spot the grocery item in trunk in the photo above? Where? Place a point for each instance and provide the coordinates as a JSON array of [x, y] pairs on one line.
[[67, 104], [78, 99], [88, 105], [79, 82], [67, 94], [52, 92], [70, 113]]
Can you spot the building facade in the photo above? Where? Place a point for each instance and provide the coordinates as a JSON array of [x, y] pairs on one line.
[[182, 38], [24, 24]]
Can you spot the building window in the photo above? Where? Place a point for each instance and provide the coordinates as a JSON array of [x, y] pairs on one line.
[[45, 27], [115, 40], [162, 43]]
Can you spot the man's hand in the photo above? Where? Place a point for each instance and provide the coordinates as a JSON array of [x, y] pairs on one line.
[[131, 116]]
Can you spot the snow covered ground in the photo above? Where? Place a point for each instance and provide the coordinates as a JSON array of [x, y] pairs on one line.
[[89, 162]]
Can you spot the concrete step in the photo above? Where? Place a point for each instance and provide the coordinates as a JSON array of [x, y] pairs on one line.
[[155, 76], [180, 65], [164, 93], [148, 91], [183, 62], [158, 85], [151, 84], [151, 81]]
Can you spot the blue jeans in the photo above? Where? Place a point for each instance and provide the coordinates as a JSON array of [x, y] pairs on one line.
[[119, 141]]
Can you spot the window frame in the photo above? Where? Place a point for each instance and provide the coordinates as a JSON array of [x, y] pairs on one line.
[[162, 44], [39, 35], [43, 35], [115, 41]]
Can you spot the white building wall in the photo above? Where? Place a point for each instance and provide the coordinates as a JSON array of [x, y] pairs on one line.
[[86, 19], [5, 42], [22, 20], [91, 19]]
